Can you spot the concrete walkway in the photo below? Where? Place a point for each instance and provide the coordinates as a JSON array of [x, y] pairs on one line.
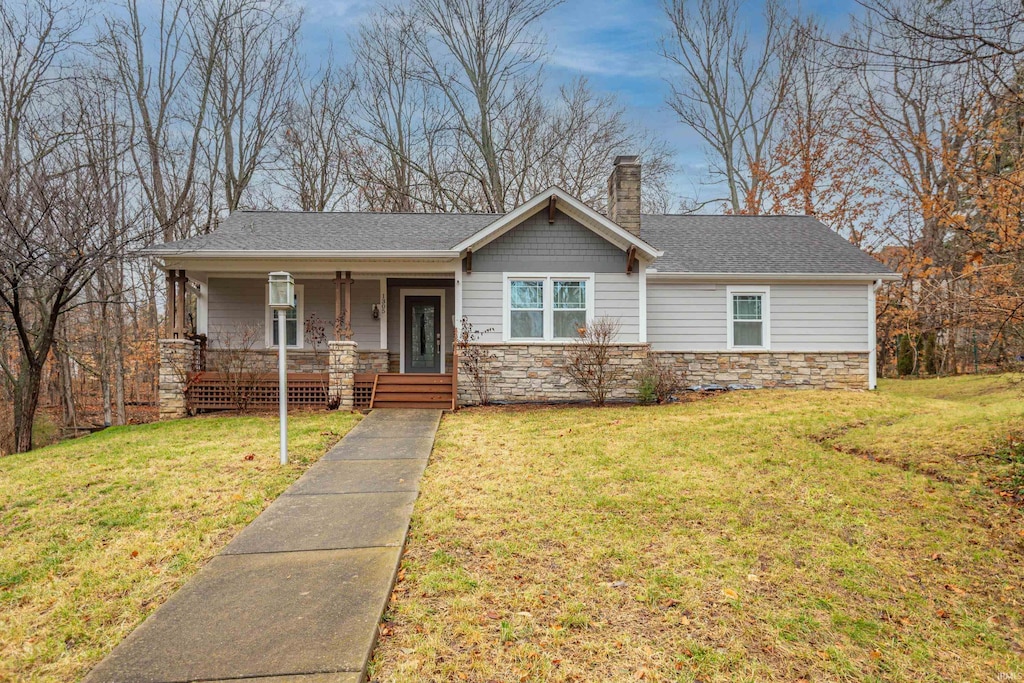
[[297, 596]]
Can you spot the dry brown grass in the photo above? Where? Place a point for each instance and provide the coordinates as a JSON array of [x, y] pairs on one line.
[[95, 533], [734, 539]]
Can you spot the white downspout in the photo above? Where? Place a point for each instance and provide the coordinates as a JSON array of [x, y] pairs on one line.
[[872, 337]]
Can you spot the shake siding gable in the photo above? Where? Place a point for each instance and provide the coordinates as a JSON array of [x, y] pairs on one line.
[[538, 246], [565, 246]]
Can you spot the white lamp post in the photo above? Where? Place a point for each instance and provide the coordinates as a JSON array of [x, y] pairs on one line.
[[282, 297]]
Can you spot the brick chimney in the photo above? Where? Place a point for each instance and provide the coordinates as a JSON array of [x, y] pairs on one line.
[[624, 193]]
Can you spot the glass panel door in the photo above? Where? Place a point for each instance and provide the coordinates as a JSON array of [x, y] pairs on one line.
[[423, 334]]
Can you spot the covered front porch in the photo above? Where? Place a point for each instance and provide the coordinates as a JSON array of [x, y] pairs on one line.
[[352, 335]]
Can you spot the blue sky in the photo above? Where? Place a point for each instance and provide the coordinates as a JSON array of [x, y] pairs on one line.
[[613, 43]]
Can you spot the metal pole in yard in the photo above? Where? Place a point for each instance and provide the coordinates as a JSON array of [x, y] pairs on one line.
[[282, 380], [281, 295]]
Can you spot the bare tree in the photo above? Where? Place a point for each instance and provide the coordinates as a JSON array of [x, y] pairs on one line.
[[483, 58], [588, 131], [255, 69], [732, 88], [165, 76], [53, 229], [316, 140], [589, 362]]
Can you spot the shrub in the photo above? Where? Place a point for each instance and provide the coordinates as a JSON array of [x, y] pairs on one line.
[[588, 360], [242, 364], [475, 360], [658, 380], [315, 334], [646, 395]]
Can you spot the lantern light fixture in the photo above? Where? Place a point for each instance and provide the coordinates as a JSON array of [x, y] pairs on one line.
[[282, 290]]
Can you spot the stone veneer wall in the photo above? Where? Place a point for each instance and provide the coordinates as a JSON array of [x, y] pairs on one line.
[[175, 364], [304, 360], [524, 373], [826, 370], [535, 373], [299, 360], [371, 361], [341, 368]]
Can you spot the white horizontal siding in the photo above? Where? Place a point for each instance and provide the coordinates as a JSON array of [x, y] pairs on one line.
[[820, 317], [616, 296], [238, 304], [686, 316], [236, 309], [481, 303], [804, 317]]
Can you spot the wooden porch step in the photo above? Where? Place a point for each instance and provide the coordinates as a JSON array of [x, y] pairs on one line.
[[416, 396], [407, 386], [438, 405], [413, 390], [386, 378]]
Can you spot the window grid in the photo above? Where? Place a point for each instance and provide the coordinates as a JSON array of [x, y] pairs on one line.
[[748, 320], [563, 308]]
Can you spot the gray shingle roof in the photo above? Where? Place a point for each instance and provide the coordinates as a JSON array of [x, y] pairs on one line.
[[754, 244], [692, 244], [357, 231]]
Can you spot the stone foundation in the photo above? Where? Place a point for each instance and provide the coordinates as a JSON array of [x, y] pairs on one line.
[[341, 368], [526, 373], [265, 360], [175, 363], [767, 370], [535, 373], [371, 361]]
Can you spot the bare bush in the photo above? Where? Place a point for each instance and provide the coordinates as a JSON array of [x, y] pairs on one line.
[[476, 359], [588, 360], [242, 364], [315, 334], [658, 379]]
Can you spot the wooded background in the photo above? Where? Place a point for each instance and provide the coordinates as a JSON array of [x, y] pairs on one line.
[[133, 123]]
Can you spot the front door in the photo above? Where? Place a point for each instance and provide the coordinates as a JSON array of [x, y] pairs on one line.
[[422, 334]]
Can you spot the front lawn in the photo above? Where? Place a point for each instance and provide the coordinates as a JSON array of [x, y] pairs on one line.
[[96, 532], [769, 535]]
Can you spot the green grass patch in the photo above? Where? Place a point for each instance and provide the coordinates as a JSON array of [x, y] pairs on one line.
[[770, 535], [96, 532]]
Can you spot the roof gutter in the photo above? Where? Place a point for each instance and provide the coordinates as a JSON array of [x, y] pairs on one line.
[[298, 253], [754, 277]]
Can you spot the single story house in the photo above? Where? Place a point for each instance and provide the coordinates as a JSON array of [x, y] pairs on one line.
[[770, 301]]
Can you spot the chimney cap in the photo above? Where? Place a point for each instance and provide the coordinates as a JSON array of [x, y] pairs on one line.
[[626, 160]]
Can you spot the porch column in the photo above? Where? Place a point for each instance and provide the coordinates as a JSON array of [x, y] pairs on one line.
[[176, 283], [341, 372], [343, 305]]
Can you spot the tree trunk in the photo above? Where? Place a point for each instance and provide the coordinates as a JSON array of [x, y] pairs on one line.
[[26, 400], [120, 413], [66, 386]]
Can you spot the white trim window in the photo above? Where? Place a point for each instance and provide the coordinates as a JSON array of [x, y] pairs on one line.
[[547, 307], [293, 321], [748, 316]]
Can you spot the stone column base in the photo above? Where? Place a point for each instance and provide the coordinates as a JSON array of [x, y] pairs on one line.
[[175, 366], [341, 368]]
